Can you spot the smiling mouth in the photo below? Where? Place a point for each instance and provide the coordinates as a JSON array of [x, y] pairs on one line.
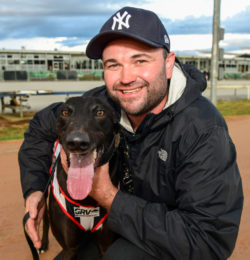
[[131, 91]]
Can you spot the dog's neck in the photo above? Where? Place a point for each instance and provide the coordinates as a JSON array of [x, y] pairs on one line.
[[64, 160]]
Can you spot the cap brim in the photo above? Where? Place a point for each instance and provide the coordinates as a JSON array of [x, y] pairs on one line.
[[97, 44]]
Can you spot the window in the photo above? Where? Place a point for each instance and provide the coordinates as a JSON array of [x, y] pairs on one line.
[[77, 65], [90, 64], [84, 64], [58, 57], [96, 64]]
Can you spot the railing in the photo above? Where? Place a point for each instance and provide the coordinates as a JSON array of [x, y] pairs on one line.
[[50, 75], [235, 90]]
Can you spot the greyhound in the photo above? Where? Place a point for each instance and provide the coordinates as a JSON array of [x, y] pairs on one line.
[[88, 135]]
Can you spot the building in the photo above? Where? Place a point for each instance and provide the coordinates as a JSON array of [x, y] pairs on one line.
[[50, 65], [27, 64], [231, 66]]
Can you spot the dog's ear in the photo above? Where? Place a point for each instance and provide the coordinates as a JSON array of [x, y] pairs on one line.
[[59, 121], [116, 123], [117, 139], [58, 113]]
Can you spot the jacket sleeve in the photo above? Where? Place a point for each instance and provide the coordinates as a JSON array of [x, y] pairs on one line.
[[35, 153], [204, 224]]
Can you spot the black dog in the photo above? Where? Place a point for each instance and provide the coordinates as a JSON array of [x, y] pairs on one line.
[[88, 136]]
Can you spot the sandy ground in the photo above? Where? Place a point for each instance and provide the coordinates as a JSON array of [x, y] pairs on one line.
[[12, 242]]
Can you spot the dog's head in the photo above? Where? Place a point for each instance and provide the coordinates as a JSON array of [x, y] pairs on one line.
[[87, 129]]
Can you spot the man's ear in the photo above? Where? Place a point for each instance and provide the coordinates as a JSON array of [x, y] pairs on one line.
[[170, 64]]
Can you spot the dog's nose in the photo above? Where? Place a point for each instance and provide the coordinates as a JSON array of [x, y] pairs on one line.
[[77, 142]]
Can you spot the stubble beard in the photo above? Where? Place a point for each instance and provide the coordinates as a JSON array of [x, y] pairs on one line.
[[155, 95]]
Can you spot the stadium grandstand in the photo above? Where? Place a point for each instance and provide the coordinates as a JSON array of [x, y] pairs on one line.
[[65, 65]]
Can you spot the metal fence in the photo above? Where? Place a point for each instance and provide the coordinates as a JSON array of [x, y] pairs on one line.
[[230, 93], [16, 75]]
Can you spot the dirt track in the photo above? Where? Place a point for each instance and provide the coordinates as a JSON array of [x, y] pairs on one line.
[[12, 242]]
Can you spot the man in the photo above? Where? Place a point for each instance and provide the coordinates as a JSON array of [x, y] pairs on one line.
[[184, 198]]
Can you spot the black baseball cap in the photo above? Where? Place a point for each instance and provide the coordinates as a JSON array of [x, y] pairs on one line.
[[139, 24]]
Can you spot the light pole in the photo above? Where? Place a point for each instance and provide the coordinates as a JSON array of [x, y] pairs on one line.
[[215, 51]]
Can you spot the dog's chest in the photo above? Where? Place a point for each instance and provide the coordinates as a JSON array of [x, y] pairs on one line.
[[87, 218]]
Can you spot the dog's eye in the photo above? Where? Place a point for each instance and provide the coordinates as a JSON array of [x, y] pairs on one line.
[[100, 113], [65, 112]]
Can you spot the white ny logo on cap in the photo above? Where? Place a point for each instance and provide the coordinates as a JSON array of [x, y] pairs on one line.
[[120, 19]]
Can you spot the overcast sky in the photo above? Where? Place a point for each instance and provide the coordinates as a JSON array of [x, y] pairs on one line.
[[69, 25]]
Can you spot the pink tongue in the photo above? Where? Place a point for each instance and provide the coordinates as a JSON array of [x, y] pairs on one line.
[[80, 176]]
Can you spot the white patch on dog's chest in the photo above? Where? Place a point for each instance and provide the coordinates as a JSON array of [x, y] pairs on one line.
[[87, 216]]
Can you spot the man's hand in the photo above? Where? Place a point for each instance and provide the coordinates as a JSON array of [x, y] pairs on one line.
[[36, 215], [103, 191]]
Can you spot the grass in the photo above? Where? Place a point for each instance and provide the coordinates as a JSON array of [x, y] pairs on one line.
[[12, 133], [12, 127], [227, 108], [234, 108]]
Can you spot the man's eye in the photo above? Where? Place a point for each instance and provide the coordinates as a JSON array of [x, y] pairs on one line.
[[140, 61], [112, 66], [100, 113]]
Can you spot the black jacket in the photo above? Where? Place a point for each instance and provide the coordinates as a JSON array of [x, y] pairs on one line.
[[188, 194]]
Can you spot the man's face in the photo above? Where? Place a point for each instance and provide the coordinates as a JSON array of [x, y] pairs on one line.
[[136, 75]]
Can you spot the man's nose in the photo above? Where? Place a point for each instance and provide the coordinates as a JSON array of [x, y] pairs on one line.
[[128, 75]]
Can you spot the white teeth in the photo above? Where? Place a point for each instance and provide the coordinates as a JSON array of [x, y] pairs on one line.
[[94, 154], [131, 91], [79, 159]]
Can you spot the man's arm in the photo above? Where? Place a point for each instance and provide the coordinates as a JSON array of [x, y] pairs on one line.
[[36, 215], [35, 153], [103, 190], [34, 158], [209, 197]]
